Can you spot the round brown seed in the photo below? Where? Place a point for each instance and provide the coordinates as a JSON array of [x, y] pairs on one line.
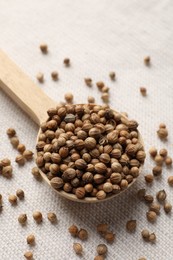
[[73, 230], [102, 249], [52, 217], [149, 178], [28, 255], [30, 239], [12, 199], [20, 194], [11, 132], [170, 180], [151, 216], [37, 216], [83, 234], [22, 219], [167, 207], [131, 225], [78, 248]]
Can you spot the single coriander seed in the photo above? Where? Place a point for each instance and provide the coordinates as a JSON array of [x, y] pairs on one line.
[[159, 160], [52, 217], [91, 99], [153, 151], [21, 148], [152, 237], [12, 199], [20, 194], [22, 219], [54, 75], [83, 234], [145, 234], [155, 207], [35, 172], [28, 255], [161, 195], [102, 249], [170, 180], [7, 171], [73, 230], [112, 75], [141, 193], [148, 198], [78, 248], [149, 178], [102, 228], [67, 62], [162, 133], [44, 48], [147, 60], [143, 91], [11, 132], [163, 152], [20, 160], [40, 77], [68, 97], [105, 97], [30, 239], [88, 82], [151, 216], [157, 170], [14, 141], [168, 161], [162, 125], [110, 237], [131, 225], [167, 207], [28, 155], [37, 216]]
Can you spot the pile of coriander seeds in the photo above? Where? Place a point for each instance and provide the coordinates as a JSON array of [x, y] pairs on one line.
[[89, 150]]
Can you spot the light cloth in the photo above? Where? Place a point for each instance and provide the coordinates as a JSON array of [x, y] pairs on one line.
[[98, 37]]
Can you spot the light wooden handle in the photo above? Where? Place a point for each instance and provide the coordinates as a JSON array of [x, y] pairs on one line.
[[23, 90]]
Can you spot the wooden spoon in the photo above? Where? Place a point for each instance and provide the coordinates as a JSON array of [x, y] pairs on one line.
[[35, 103]]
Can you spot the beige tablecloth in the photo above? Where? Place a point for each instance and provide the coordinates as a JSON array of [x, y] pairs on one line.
[[98, 36]]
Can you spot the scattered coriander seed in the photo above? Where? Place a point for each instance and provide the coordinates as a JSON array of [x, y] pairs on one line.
[[155, 207], [143, 91], [99, 257], [82, 234], [149, 178], [162, 133], [21, 148], [112, 75], [157, 170], [28, 155], [162, 125], [159, 160], [148, 198], [11, 132], [151, 216], [168, 161], [110, 237], [28, 255], [7, 171], [20, 160], [35, 172], [22, 219], [5, 162], [161, 195], [20, 194], [163, 152], [91, 99], [145, 234], [131, 225], [147, 60], [152, 237], [102, 249], [54, 75], [73, 230], [102, 228], [44, 48], [37, 216], [141, 193], [40, 77], [78, 248], [30, 239], [167, 207], [68, 97], [105, 97], [14, 141], [88, 82], [12, 199], [170, 180], [100, 85], [153, 151], [52, 217], [67, 62]]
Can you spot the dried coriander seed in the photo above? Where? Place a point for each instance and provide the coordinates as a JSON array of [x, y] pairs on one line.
[[73, 230], [21, 148], [143, 91], [101, 195], [163, 152], [151, 216], [12, 199], [131, 225], [14, 141], [91, 99], [161, 195], [5, 162], [153, 151], [67, 62], [112, 75], [30, 239], [152, 237], [37, 216], [44, 48], [157, 170], [105, 97], [155, 207], [170, 180], [149, 178], [20, 160], [145, 234], [28, 255], [102, 249], [167, 207], [54, 75], [40, 77], [20, 194], [159, 160], [28, 155], [35, 172], [22, 219], [168, 161], [102, 228], [7, 171], [110, 237], [83, 234], [162, 133], [88, 82], [78, 248], [100, 85], [52, 217], [148, 198], [141, 193], [11, 132], [147, 60], [68, 97]]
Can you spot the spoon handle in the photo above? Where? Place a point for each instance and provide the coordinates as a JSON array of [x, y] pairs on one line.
[[16, 84]]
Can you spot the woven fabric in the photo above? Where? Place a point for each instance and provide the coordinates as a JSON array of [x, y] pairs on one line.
[[99, 37]]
